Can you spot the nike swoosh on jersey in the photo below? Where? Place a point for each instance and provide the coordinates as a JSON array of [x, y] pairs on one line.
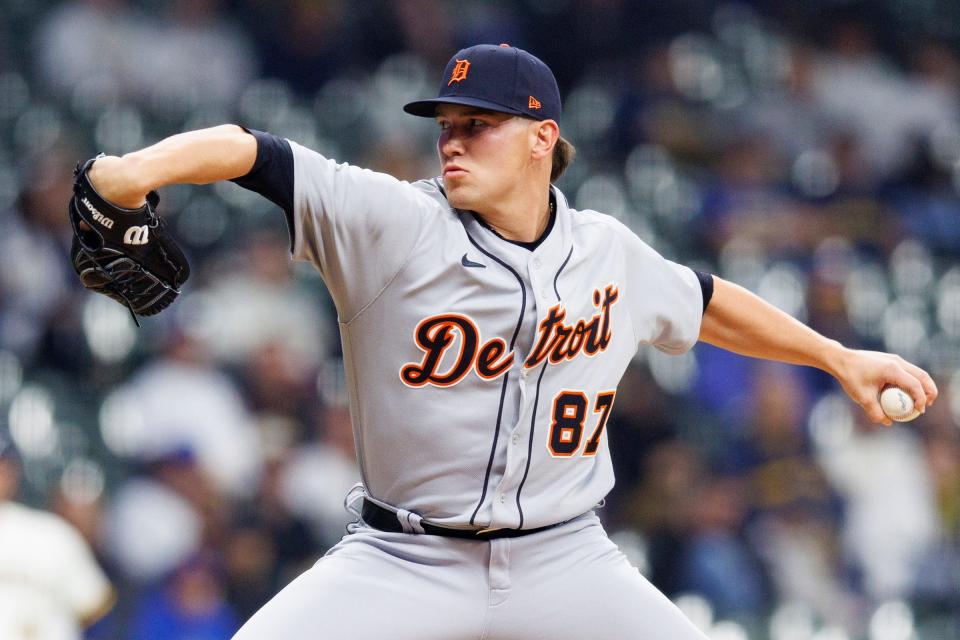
[[470, 263]]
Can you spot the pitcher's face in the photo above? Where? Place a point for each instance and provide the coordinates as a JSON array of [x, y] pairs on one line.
[[482, 154]]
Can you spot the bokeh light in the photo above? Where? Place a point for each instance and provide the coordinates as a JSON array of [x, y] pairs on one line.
[[119, 129], [892, 621], [815, 174], [905, 326], [31, 420], [697, 608], [11, 375], [647, 168], [108, 328], [728, 630], [605, 193], [697, 71], [830, 633], [122, 424], [832, 421], [82, 481], [784, 286], [867, 293], [792, 621], [911, 268], [37, 128], [588, 113], [264, 100], [94, 96], [743, 261]]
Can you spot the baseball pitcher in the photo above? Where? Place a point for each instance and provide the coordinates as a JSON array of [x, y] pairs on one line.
[[485, 325]]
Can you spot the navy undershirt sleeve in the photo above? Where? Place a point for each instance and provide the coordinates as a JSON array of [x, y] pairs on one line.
[[706, 286], [272, 172]]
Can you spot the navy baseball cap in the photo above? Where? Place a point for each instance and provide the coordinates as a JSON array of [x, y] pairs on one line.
[[500, 78]]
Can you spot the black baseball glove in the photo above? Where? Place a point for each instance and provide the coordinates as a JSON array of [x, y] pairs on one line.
[[126, 254]]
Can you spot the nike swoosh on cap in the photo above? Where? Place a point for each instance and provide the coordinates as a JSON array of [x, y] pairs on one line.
[[470, 263]]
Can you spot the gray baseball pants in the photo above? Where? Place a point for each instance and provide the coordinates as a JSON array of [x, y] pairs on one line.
[[566, 583]]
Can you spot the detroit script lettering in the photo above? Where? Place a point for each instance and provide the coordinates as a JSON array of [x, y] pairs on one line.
[[556, 342]]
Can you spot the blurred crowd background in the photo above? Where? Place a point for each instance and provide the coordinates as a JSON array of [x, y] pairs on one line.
[[809, 151]]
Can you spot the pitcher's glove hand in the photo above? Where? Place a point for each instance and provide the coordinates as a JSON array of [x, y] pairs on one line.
[[126, 254]]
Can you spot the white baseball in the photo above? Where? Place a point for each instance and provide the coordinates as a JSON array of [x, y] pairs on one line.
[[898, 405]]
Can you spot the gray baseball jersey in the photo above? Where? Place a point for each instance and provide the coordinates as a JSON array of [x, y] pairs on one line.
[[481, 373]]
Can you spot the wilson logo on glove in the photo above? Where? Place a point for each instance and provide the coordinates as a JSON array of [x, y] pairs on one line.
[[137, 235], [99, 217]]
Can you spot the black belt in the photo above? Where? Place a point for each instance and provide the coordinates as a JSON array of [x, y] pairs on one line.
[[385, 520]]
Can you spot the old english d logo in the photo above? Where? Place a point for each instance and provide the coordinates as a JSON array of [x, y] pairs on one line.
[[459, 71]]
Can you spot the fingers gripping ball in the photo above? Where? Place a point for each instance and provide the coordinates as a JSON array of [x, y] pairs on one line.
[[898, 405], [126, 254]]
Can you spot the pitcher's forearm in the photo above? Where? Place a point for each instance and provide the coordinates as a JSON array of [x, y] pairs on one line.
[[742, 322], [739, 321], [195, 157]]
